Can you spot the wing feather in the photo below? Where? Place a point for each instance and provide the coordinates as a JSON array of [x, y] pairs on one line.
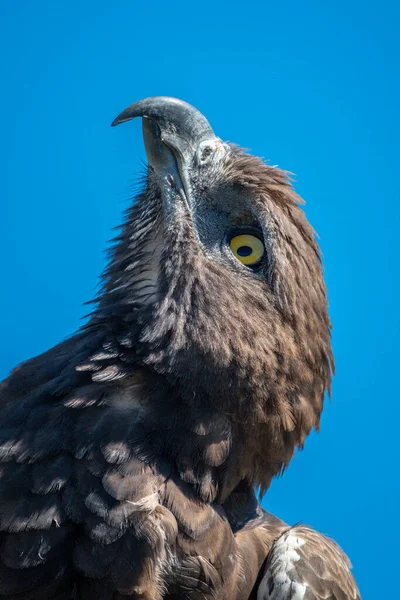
[[305, 565]]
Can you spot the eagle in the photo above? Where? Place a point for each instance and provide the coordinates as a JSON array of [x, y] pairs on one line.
[[132, 454]]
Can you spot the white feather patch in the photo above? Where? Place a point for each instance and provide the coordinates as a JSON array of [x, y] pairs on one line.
[[283, 560]]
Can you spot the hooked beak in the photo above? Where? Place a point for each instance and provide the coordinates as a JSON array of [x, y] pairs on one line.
[[177, 139]]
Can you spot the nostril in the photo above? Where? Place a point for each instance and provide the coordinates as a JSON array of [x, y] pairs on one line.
[[206, 152]]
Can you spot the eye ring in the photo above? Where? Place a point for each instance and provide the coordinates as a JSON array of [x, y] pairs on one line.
[[247, 249]]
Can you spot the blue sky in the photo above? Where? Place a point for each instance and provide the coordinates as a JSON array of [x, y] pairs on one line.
[[312, 86]]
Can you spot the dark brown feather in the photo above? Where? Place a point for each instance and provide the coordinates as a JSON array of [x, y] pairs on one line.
[[129, 452]]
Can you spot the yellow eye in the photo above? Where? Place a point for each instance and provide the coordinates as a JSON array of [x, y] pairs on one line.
[[247, 248]]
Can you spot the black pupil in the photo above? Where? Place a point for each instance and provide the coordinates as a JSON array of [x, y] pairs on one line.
[[244, 250]]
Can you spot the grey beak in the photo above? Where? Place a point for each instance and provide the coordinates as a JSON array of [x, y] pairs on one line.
[[181, 126]]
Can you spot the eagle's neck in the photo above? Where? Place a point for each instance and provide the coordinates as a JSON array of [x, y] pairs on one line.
[[207, 447]]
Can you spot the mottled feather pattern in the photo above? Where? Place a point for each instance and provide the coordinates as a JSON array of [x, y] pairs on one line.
[[305, 565], [129, 453], [95, 501]]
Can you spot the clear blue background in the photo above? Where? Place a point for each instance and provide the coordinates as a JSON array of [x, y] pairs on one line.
[[312, 86]]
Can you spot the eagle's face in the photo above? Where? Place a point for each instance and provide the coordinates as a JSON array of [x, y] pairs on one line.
[[217, 278]]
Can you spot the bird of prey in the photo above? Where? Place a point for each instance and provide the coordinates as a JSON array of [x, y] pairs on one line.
[[130, 453]]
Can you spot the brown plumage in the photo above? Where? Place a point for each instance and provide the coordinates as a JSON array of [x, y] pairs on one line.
[[129, 453]]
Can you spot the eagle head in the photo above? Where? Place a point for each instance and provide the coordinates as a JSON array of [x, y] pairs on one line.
[[215, 290]]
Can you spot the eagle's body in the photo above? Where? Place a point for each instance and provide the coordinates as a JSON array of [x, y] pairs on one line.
[[130, 452]]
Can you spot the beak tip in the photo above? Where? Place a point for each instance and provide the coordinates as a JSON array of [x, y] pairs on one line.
[[123, 117], [117, 121]]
